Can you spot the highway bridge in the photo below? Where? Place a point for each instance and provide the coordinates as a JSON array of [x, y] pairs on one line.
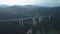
[[33, 18]]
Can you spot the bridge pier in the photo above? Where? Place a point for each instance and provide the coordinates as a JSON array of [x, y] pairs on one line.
[[21, 22], [40, 19], [34, 21]]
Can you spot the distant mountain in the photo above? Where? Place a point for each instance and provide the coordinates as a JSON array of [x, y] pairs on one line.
[[30, 7], [16, 11], [26, 6], [4, 6]]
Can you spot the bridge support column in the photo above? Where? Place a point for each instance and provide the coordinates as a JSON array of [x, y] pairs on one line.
[[49, 17], [34, 21], [40, 19], [22, 22]]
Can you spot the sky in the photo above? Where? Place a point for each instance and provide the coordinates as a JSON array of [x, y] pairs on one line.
[[31, 2]]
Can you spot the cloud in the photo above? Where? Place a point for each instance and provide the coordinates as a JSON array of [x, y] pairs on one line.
[[8, 2], [49, 3], [17, 2], [31, 2]]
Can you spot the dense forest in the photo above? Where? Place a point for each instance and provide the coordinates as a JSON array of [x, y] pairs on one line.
[[14, 12], [17, 12]]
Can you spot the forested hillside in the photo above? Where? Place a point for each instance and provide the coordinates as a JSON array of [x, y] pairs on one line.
[[14, 12]]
